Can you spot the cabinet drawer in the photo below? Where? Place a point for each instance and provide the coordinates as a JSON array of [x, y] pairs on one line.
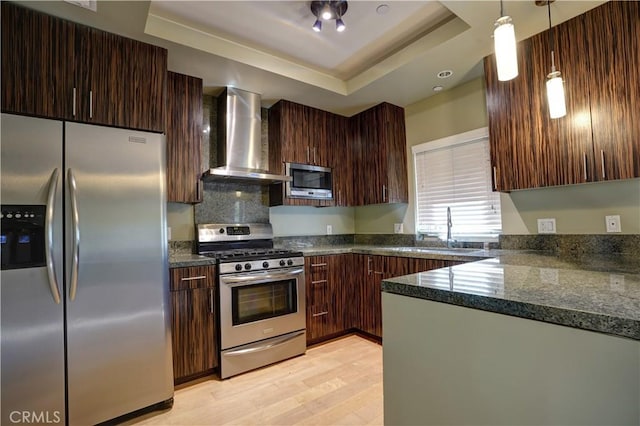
[[192, 277]]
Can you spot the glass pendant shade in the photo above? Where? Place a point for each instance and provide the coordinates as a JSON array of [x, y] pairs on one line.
[[504, 39], [555, 95]]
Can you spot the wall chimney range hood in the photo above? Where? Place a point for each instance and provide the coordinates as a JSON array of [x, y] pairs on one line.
[[239, 149]]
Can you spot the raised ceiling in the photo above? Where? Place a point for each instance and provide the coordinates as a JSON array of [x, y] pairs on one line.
[[268, 47]]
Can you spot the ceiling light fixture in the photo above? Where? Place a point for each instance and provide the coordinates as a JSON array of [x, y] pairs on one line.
[[504, 42], [327, 10], [555, 87]]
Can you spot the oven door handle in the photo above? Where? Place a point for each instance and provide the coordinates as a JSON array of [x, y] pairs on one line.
[[260, 348], [261, 277]]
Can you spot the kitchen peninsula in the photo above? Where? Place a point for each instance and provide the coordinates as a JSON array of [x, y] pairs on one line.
[[524, 338]]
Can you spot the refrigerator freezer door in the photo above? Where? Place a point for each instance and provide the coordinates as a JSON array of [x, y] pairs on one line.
[[32, 347], [118, 337]]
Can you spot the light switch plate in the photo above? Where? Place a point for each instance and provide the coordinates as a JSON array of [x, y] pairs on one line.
[[329, 229], [168, 233], [547, 226], [398, 228], [613, 223]]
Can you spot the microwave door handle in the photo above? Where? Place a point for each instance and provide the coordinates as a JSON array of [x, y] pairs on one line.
[[256, 278]]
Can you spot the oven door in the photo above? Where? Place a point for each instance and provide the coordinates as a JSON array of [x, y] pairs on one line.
[[260, 305]]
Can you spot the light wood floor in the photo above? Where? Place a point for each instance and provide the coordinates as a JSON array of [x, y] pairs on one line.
[[336, 383]]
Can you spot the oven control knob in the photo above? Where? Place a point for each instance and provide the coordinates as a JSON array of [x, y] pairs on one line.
[[247, 266], [282, 262], [289, 262], [265, 264], [221, 230], [238, 267]]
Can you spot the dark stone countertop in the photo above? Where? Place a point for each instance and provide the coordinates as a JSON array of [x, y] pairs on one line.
[[594, 292]]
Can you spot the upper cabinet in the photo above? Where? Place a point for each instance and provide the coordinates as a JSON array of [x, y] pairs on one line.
[[184, 137], [598, 139], [367, 152], [614, 82], [57, 69], [297, 134], [380, 156]]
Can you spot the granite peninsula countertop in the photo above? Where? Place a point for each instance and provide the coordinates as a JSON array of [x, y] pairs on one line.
[[596, 292], [181, 260]]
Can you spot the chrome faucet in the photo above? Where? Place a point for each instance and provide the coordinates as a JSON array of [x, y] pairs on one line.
[[449, 225]]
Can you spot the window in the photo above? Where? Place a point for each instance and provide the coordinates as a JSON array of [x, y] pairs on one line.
[[455, 173]]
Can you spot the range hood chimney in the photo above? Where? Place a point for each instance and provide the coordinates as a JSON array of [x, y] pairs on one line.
[[239, 150]]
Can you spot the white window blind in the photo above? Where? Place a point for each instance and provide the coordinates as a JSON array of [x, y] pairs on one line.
[[456, 172]]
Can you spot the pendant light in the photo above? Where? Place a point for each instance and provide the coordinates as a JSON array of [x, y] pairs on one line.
[[555, 86], [504, 40]]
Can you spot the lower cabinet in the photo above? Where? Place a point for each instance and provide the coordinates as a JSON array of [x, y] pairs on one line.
[[326, 296], [193, 306], [344, 291]]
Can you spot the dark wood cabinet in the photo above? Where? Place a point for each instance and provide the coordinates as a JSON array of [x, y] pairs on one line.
[[195, 351], [379, 155], [299, 134], [326, 296], [599, 138], [341, 159], [184, 135], [38, 53], [58, 69], [613, 54]]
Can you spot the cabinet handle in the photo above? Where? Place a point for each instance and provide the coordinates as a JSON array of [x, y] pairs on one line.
[[211, 309], [319, 314], [604, 176], [378, 273], [90, 103], [308, 156], [73, 112], [495, 179], [313, 265], [314, 156], [369, 266], [584, 164], [384, 192], [200, 277], [319, 281]]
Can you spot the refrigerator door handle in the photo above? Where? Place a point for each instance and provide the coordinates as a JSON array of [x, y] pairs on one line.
[[75, 252], [48, 235]]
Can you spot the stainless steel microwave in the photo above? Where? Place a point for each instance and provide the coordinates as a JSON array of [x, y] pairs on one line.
[[308, 181]]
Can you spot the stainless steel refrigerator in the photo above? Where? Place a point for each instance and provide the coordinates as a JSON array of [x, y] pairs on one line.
[[84, 283]]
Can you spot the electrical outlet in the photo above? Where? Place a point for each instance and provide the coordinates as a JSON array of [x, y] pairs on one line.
[[329, 229], [613, 223], [398, 228], [547, 226]]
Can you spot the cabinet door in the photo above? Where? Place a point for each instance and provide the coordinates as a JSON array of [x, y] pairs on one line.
[[341, 159], [396, 187], [193, 332], [99, 77], [184, 137], [368, 151], [371, 298], [37, 63], [421, 265], [318, 298], [293, 132], [614, 82], [143, 101], [193, 306]]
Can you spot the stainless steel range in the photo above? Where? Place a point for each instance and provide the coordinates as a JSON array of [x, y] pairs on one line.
[[261, 296]]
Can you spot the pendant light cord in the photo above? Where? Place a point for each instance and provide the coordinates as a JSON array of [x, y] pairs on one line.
[[553, 65]]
